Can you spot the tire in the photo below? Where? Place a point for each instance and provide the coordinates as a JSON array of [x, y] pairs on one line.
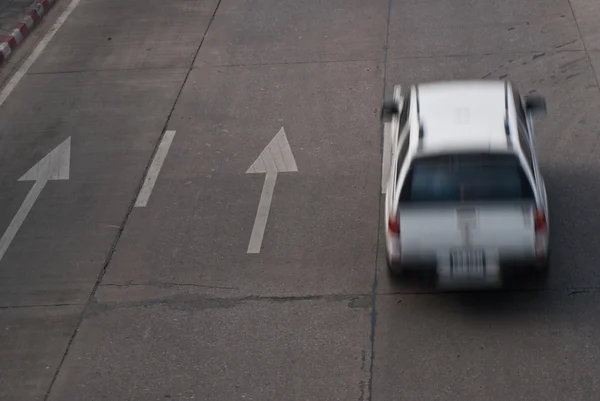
[[393, 272], [388, 109], [543, 269]]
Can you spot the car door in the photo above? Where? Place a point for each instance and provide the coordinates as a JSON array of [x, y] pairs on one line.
[[526, 132], [395, 123], [391, 200], [399, 132], [538, 174]]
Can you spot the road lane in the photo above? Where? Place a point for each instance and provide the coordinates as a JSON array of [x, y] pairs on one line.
[[115, 114], [64, 242], [114, 120], [534, 340]]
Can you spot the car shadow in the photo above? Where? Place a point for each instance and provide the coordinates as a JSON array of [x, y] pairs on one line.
[[505, 302], [573, 196]]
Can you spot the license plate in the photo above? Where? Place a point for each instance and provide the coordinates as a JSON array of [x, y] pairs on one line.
[[467, 263]]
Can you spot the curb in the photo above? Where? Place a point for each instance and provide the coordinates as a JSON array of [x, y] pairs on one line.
[[24, 28]]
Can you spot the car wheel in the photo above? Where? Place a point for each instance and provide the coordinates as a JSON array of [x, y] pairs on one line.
[[542, 270], [394, 271]]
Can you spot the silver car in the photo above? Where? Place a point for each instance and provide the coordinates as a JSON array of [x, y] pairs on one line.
[[465, 199]]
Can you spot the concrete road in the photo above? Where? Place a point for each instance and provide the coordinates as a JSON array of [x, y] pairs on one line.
[[172, 127]]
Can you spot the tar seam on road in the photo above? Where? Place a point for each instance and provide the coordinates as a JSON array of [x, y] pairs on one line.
[[458, 55], [131, 205], [158, 68], [40, 306], [585, 49], [375, 282]]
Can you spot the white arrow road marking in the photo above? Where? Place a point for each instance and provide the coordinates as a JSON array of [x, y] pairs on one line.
[[54, 166], [262, 214], [276, 158], [386, 157], [154, 170]]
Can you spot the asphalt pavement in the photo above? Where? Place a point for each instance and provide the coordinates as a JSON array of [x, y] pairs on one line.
[[207, 223]]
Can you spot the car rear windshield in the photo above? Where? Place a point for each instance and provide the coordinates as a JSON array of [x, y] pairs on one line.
[[466, 178]]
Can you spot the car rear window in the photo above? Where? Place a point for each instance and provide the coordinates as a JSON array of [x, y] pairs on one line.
[[466, 178]]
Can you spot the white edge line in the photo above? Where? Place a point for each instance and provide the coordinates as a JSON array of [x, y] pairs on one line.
[[14, 81], [154, 170]]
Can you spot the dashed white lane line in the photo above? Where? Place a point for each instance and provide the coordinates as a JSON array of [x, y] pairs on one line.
[[154, 170]]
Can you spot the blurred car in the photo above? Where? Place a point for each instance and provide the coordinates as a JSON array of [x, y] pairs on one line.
[[465, 200]]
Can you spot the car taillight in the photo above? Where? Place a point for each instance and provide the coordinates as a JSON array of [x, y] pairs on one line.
[[540, 234], [540, 221], [393, 225]]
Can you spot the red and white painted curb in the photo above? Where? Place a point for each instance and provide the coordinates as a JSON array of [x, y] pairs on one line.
[[24, 28]]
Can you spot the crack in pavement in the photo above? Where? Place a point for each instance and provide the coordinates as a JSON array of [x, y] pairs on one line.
[[57, 305], [357, 300], [369, 386], [195, 303], [164, 284]]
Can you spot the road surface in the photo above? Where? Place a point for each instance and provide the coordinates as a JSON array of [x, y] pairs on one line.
[[155, 256]]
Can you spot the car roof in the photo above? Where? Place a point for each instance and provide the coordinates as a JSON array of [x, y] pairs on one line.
[[462, 115]]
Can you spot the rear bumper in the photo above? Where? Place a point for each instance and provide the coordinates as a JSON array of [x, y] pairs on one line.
[[426, 269]]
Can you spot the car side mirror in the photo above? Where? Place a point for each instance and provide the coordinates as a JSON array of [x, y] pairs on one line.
[[535, 104], [389, 108]]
